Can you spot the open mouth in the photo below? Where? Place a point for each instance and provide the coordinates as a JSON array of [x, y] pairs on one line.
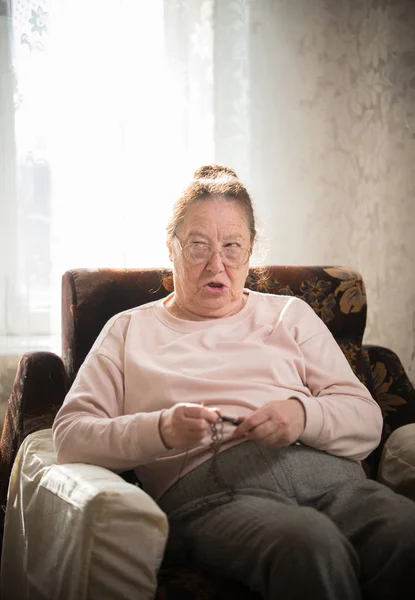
[[215, 284], [215, 287]]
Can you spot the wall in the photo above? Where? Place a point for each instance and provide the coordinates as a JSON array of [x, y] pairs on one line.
[[333, 141]]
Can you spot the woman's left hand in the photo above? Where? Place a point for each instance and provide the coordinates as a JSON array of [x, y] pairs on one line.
[[279, 423]]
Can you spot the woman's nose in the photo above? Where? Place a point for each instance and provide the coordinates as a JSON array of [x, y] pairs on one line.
[[215, 263]]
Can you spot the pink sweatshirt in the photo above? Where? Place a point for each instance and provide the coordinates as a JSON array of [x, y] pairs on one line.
[[146, 360]]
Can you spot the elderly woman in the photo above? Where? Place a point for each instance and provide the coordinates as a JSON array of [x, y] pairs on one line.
[[243, 419]]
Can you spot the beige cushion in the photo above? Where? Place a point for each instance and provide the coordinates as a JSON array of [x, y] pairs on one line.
[[397, 465], [77, 532]]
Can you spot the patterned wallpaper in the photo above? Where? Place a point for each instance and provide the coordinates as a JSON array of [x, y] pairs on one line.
[[332, 108]]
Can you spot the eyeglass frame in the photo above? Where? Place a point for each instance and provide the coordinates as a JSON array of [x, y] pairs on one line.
[[249, 250]]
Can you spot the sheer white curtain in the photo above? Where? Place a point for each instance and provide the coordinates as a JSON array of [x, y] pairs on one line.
[[107, 107], [106, 111], [7, 169]]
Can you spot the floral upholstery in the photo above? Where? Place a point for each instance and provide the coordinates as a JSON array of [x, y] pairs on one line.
[[91, 297], [394, 392]]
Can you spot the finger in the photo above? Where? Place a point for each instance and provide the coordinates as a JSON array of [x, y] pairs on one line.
[[255, 433], [261, 432], [189, 424], [235, 432], [272, 438], [201, 412], [213, 415], [251, 422]]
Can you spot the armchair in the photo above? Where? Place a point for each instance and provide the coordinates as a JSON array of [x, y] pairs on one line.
[[91, 297]]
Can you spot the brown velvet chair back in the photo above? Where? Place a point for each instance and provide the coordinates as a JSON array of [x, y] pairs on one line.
[[92, 296]]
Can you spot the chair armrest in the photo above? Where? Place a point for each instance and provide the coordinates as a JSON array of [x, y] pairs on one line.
[[77, 531], [39, 389], [397, 465], [393, 390]]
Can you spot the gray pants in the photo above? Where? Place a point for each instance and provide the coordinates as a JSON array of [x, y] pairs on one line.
[[303, 524]]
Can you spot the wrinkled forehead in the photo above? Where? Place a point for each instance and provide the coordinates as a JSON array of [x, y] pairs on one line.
[[216, 215]]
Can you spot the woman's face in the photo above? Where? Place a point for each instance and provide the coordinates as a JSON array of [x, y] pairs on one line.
[[211, 289]]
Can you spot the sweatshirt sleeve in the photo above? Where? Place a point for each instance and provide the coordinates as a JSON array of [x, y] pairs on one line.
[[91, 426], [341, 416]]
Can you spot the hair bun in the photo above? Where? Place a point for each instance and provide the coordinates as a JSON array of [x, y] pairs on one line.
[[213, 172]]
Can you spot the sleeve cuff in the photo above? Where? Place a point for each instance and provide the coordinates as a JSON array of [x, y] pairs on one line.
[[313, 420], [149, 441]]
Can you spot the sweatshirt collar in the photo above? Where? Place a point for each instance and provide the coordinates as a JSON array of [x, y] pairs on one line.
[[187, 326]]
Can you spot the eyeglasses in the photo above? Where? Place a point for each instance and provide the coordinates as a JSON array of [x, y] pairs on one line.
[[197, 253]]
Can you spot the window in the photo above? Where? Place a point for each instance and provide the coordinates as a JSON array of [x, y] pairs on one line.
[[112, 110]]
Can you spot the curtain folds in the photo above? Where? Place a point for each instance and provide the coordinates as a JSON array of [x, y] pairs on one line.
[[111, 112], [115, 105], [8, 205]]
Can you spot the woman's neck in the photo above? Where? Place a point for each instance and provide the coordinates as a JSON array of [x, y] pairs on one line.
[[178, 310]]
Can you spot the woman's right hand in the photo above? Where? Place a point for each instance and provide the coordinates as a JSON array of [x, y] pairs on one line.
[[184, 425]]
